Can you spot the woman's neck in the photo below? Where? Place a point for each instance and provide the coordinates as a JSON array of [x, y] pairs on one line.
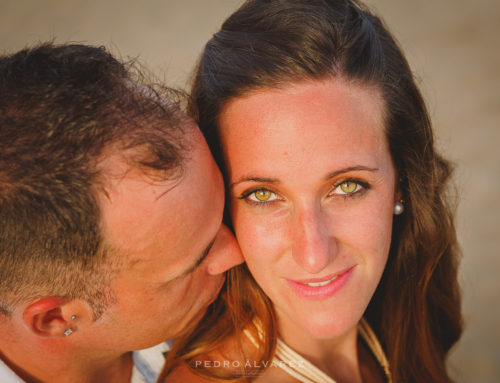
[[337, 357]]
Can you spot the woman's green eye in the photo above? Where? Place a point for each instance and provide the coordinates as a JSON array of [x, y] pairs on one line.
[[262, 195], [348, 187]]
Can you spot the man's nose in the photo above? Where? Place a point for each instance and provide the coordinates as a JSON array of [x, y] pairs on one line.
[[225, 252], [314, 246]]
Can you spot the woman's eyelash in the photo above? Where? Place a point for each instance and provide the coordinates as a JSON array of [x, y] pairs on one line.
[[259, 203], [365, 187], [248, 193]]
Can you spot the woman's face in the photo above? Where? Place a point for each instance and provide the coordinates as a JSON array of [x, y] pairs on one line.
[[312, 189]]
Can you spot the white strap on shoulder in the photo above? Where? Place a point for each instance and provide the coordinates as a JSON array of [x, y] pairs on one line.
[[304, 371]]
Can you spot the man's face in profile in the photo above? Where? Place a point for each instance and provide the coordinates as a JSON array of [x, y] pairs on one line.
[[171, 248]]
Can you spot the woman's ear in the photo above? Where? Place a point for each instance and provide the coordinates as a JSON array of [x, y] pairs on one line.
[[398, 193], [54, 317], [398, 196]]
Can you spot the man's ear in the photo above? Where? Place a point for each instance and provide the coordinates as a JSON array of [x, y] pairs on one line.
[[54, 317]]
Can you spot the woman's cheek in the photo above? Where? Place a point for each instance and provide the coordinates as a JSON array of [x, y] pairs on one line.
[[260, 238]]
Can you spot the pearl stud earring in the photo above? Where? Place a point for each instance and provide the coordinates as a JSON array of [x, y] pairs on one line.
[[398, 208]]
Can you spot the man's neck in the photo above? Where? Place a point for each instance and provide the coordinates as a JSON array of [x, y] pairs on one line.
[[48, 363]]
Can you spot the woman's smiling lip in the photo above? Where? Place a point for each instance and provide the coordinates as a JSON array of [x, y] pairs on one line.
[[321, 288]]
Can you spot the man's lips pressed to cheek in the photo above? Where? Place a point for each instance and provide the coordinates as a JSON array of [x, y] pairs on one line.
[[218, 291]]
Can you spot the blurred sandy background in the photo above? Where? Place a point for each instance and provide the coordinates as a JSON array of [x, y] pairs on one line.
[[454, 47]]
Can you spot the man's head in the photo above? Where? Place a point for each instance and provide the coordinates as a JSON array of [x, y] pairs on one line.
[[109, 200]]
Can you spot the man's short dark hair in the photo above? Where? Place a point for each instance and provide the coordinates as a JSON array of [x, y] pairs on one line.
[[62, 109]]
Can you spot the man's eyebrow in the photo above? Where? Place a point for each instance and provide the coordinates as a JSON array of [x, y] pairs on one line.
[[335, 173], [200, 260]]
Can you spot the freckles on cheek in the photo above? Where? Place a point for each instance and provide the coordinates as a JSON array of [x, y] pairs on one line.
[[257, 238], [250, 239], [376, 236], [367, 228], [258, 246]]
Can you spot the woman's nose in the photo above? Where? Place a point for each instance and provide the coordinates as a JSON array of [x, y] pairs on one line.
[[314, 246]]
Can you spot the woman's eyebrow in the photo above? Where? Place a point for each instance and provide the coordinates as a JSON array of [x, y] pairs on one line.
[[251, 178], [335, 173], [276, 181]]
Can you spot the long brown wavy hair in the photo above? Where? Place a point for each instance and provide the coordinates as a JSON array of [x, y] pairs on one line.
[[416, 309]]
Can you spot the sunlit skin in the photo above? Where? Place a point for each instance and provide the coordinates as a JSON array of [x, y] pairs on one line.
[[169, 252], [312, 189], [164, 228]]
